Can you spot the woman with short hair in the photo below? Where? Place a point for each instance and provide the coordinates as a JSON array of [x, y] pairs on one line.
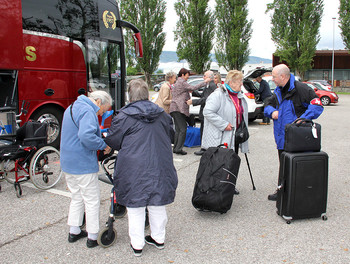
[[225, 109], [164, 95], [80, 140], [144, 175], [179, 109]]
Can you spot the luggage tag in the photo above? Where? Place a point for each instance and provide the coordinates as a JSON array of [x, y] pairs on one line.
[[314, 130]]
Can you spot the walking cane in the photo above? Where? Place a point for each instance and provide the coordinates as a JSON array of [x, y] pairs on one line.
[[251, 177]]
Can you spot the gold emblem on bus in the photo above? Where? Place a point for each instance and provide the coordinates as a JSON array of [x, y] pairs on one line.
[[109, 19]]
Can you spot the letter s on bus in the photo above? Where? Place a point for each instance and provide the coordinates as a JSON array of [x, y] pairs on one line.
[[30, 51]]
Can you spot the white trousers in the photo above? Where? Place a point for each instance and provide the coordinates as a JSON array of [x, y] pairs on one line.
[[85, 191], [157, 220]]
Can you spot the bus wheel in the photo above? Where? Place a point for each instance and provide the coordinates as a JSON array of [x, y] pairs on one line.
[[53, 117]]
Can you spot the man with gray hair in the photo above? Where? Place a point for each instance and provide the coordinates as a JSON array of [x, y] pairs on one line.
[[211, 86]]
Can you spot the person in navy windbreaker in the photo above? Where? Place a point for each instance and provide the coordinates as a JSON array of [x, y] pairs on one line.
[[290, 100], [144, 174]]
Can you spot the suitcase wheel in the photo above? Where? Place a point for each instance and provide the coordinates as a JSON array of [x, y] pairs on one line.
[[288, 222], [324, 218]]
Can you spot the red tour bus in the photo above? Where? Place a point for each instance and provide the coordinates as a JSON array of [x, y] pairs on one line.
[[55, 50]]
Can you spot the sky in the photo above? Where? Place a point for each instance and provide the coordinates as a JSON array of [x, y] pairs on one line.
[[260, 43]]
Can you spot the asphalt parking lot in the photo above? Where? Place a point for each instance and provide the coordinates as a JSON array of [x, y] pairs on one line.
[[34, 230]]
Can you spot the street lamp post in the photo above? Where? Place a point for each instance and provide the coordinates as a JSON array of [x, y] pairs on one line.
[[333, 54]]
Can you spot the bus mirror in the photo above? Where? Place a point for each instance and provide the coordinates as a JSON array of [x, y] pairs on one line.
[[138, 44]]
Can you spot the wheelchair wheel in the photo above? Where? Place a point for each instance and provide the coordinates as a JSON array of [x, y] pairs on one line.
[[103, 239], [45, 168], [8, 167]]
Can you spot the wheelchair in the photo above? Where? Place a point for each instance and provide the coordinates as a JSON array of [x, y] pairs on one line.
[[24, 155]]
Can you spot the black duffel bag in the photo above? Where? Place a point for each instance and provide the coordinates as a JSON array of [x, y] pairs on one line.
[[302, 135], [216, 180]]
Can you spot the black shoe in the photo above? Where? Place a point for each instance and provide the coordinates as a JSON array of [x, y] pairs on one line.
[[199, 152], [181, 152], [272, 197], [150, 241], [73, 238], [90, 243], [236, 192], [137, 252]]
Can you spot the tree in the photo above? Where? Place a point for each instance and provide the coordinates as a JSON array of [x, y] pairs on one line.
[[344, 19], [195, 33], [233, 33], [295, 31], [149, 17]]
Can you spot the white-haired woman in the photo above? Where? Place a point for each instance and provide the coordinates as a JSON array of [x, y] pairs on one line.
[[164, 96], [80, 140], [225, 109]]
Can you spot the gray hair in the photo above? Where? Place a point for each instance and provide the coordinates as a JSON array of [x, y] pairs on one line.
[[105, 97], [282, 69], [209, 74], [169, 75], [138, 90]]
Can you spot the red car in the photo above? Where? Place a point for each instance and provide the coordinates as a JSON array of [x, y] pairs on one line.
[[326, 97]]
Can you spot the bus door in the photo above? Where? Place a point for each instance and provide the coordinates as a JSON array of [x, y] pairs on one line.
[[104, 69]]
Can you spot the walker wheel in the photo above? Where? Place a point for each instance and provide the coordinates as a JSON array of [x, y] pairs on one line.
[[18, 190], [104, 241]]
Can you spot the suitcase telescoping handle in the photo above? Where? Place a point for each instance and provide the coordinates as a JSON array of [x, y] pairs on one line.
[[223, 145]]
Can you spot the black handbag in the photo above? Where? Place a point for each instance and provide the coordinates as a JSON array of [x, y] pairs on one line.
[[302, 135], [242, 133]]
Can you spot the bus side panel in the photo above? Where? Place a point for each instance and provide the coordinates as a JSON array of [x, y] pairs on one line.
[[54, 71], [11, 43]]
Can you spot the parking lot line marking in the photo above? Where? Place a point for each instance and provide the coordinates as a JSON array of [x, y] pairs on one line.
[[179, 160], [54, 191], [59, 192]]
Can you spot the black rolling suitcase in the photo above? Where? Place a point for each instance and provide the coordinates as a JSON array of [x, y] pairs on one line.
[[303, 184], [216, 180]]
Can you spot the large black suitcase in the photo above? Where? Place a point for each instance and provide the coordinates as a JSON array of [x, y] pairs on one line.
[[303, 184], [216, 180]]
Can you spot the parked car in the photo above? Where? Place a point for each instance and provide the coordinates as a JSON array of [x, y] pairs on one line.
[[326, 97], [324, 83], [157, 86]]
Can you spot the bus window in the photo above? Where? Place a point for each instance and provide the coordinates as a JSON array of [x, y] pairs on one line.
[[98, 65], [104, 64]]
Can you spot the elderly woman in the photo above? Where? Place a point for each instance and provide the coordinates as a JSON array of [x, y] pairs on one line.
[[179, 109], [225, 109], [164, 96], [80, 140], [144, 174]]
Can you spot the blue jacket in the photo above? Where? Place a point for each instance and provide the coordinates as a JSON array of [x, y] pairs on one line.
[[144, 171], [299, 102], [79, 145]]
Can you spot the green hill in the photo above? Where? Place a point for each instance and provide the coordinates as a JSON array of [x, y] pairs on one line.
[[170, 56]]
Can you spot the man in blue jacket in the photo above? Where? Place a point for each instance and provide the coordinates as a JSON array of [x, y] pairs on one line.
[[291, 100]]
